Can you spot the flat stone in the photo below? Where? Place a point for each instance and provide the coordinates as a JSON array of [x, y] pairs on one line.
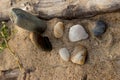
[[59, 30], [76, 33], [27, 21], [64, 54], [99, 28]]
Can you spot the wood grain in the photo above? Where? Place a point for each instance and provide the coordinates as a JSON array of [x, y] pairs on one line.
[[66, 9]]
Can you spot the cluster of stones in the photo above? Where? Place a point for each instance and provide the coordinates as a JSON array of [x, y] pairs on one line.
[[78, 55], [77, 33], [37, 26], [33, 24]]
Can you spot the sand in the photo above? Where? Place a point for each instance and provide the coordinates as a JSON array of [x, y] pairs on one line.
[[102, 63]]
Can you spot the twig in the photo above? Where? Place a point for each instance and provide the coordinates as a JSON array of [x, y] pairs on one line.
[[13, 53]]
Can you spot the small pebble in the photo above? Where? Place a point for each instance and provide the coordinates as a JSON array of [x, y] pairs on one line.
[[79, 55], [64, 54], [59, 30], [99, 28], [76, 33]]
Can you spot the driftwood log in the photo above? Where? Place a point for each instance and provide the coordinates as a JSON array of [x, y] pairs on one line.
[[67, 9]]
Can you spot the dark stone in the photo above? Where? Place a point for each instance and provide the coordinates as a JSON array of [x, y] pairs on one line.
[[100, 28], [48, 44], [27, 21], [43, 42]]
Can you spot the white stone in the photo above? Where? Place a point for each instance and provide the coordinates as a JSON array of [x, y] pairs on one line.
[[64, 54], [59, 30], [76, 33]]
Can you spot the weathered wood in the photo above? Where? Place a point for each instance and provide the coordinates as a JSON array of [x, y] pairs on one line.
[[67, 9]]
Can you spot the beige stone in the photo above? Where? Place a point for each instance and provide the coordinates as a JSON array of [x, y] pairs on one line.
[[79, 55], [59, 30]]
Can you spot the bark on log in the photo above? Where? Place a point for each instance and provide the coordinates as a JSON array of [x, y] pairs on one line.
[[67, 9]]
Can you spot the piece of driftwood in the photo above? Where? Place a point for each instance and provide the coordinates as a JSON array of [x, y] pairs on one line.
[[67, 9]]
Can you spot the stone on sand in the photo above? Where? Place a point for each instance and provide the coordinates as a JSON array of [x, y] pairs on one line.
[[77, 32]]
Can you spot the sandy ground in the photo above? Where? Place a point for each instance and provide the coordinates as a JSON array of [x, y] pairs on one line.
[[103, 60]]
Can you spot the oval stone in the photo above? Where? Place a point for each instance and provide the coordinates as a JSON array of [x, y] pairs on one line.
[[27, 21], [59, 30], [76, 33], [79, 55], [99, 28], [64, 54]]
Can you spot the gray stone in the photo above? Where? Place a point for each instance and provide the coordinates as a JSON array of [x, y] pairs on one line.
[[64, 54], [27, 21]]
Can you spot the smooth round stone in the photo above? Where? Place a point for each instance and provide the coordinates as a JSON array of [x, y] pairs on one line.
[[99, 28], [76, 33], [64, 54], [27, 21], [59, 30], [79, 55]]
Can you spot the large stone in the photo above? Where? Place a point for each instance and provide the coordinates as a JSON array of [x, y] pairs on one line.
[[27, 21], [76, 33]]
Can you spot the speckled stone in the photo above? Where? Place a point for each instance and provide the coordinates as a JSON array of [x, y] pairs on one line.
[[77, 32]]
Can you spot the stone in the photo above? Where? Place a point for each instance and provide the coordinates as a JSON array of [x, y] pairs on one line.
[[76, 33], [40, 41], [27, 21], [79, 55], [59, 30], [64, 54], [99, 28]]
